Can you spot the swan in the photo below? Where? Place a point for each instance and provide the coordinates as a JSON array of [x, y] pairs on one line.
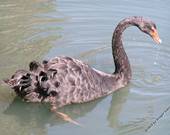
[[64, 80]]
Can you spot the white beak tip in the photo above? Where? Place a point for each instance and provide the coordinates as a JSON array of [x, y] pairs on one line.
[[160, 41]]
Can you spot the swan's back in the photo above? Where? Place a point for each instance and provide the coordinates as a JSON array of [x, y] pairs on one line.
[[75, 81]]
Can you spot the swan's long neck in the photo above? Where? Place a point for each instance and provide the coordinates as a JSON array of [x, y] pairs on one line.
[[122, 65]]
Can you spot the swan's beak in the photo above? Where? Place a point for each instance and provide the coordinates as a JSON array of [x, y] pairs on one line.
[[155, 36]]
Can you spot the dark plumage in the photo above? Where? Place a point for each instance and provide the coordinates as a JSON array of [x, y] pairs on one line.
[[64, 80]]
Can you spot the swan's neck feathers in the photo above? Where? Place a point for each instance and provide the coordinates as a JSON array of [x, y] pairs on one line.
[[111, 82], [122, 64]]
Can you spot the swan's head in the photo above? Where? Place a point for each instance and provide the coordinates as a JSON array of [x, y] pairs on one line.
[[149, 27]]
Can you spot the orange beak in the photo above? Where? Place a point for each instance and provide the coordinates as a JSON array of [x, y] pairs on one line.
[[155, 36]]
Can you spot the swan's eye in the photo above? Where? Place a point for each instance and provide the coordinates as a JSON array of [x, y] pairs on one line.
[[147, 26]]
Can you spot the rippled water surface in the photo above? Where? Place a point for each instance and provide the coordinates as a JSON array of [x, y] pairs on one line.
[[42, 29]]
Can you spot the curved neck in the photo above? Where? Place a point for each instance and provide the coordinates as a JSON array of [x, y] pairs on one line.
[[122, 65]]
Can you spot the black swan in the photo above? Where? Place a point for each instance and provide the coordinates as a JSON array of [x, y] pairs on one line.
[[63, 80]]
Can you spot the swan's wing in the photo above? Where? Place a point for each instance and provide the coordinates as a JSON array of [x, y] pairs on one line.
[[73, 80]]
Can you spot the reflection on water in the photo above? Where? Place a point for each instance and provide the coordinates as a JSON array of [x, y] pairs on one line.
[[34, 118], [41, 29], [118, 100], [27, 30]]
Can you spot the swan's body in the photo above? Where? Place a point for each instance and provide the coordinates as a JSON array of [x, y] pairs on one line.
[[77, 82], [64, 80]]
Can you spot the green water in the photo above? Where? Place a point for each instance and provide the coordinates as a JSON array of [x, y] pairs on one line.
[[42, 29]]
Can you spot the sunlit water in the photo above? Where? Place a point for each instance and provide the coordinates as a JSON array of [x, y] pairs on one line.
[[42, 29]]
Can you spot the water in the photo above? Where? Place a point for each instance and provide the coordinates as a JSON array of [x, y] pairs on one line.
[[42, 29]]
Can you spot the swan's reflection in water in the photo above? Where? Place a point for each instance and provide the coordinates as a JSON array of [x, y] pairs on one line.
[[36, 118], [118, 100], [123, 118]]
